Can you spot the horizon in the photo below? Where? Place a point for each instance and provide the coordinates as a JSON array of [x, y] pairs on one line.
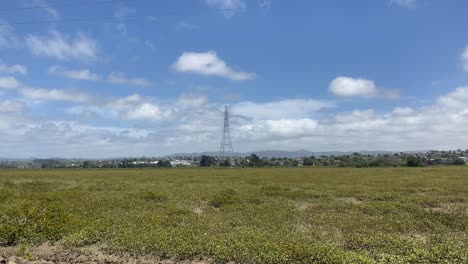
[[260, 153], [144, 78]]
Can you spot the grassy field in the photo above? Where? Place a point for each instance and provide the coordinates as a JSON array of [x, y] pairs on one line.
[[298, 215]]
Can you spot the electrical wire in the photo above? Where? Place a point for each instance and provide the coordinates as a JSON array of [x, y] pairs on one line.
[[66, 20], [61, 5]]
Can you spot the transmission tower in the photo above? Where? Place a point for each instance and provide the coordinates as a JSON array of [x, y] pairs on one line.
[[226, 149]]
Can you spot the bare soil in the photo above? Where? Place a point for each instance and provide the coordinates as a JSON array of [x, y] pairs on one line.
[[50, 254]]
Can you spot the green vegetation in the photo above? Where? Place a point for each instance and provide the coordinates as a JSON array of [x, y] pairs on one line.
[[264, 215]]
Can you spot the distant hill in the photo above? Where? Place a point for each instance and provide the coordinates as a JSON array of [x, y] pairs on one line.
[[283, 153]]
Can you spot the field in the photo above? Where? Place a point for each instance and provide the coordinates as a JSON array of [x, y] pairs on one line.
[[297, 215]]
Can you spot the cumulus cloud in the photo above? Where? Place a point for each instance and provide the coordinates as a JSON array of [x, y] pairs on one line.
[[208, 64], [439, 125], [88, 75], [347, 87], [279, 129], [464, 58], [398, 111], [181, 25], [9, 83], [120, 78], [41, 94], [191, 123], [136, 107], [227, 7], [404, 3], [456, 99], [289, 108], [13, 69], [81, 74], [45, 7], [8, 37], [191, 101], [121, 13], [359, 87], [58, 46], [11, 113], [264, 4]]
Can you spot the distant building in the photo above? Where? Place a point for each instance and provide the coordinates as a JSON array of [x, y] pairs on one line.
[[180, 163]]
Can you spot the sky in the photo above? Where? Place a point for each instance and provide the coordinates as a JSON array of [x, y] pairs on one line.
[[108, 78]]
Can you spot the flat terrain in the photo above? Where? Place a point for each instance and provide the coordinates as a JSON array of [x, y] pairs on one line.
[[298, 215]]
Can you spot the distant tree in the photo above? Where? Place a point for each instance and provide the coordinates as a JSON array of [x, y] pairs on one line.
[[124, 164], [164, 164], [458, 161], [255, 161], [207, 161], [308, 161], [225, 163], [87, 164], [413, 161]]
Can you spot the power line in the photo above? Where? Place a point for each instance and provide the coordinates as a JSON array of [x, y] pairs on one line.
[[113, 17], [75, 20], [61, 5]]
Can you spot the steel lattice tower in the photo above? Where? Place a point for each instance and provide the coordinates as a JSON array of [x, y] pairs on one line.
[[226, 149]]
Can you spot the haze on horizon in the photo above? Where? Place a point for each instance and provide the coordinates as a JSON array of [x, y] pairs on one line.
[[96, 79]]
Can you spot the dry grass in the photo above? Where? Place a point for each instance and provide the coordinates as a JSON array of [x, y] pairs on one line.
[[297, 215]]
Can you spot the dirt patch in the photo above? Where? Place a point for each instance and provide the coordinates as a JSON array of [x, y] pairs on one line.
[[419, 238], [198, 210], [49, 254], [303, 227], [449, 208], [352, 200], [304, 206]]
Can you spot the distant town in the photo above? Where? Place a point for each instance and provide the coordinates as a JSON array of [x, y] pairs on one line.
[[358, 160]]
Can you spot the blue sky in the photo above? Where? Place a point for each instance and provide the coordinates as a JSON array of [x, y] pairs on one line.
[[141, 77]]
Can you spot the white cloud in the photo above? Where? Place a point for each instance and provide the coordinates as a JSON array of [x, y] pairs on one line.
[[124, 11], [208, 64], [82, 74], [145, 111], [227, 7], [404, 3], [54, 95], [456, 99], [289, 127], [191, 101], [58, 46], [11, 106], [11, 114], [121, 13], [347, 87], [464, 58], [403, 111], [191, 123], [284, 109], [264, 4], [120, 78], [13, 69], [355, 116], [8, 38], [181, 25], [9, 83], [136, 107], [45, 7], [351, 87]]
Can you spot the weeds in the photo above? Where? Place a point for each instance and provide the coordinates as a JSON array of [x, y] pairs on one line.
[[313, 215]]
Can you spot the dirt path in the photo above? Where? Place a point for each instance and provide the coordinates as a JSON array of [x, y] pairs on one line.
[[48, 254]]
